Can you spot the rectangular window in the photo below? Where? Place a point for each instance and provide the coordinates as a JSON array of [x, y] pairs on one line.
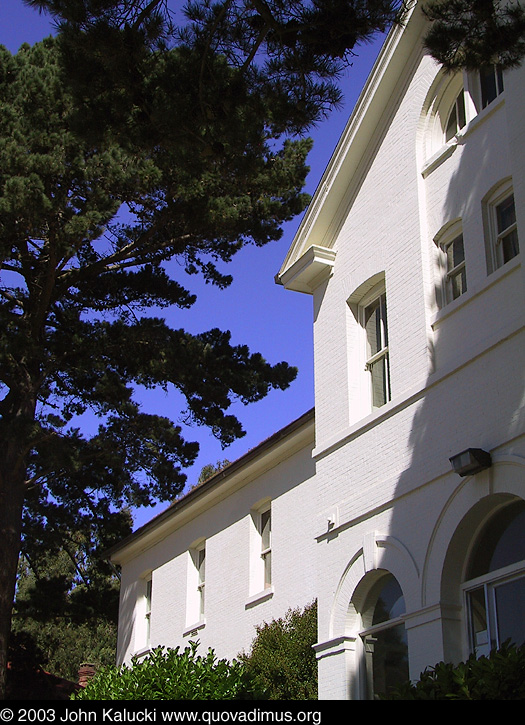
[[266, 546], [201, 578], [507, 245], [147, 615], [143, 620], [491, 82], [377, 363], [456, 279]]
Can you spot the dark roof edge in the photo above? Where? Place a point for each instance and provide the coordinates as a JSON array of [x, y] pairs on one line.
[[213, 481]]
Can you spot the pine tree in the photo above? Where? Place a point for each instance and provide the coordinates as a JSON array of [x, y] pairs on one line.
[[127, 143], [79, 286], [469, 35]]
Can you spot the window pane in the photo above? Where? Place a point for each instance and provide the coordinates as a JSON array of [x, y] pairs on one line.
[[479, 633], [507, 232], [267, 569], [452, 125], [462, 116], [380, 382], [489, 91], [502, 543], [510, 246], [457, 117], [510, 611], [506, 213], [499, 78], [458, 283], [390, 602], [373, 327], [455, 253], [266, 530], [202, 565], [389, 659]]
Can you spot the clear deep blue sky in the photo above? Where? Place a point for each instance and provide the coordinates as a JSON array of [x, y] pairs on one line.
[[257, 311]]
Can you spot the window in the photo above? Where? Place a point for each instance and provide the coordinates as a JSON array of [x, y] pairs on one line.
[[377, 362], [266, 545], [503, 244], [507, 233], [147, 615], [446, 111], [495, 592], [456, 118], [201, 577], [455, 280], [196, 586], [260, 584], [143, 613], [491, 83], [384, 637]]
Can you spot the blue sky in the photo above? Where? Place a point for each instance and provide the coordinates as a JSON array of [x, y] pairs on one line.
[[256, 310]]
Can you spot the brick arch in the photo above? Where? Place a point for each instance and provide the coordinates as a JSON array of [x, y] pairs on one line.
[[475, 500], [380, 554]]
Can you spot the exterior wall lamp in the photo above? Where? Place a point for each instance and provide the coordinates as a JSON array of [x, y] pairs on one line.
[[470, 461]]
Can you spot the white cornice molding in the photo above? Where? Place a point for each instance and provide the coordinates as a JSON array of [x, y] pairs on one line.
[[355, 139], [310, 270], [257, 461]]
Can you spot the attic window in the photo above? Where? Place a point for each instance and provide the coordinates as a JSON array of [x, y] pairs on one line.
[[445, 114]]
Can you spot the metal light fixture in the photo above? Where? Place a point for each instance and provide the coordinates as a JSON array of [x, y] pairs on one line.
[[470, 461]]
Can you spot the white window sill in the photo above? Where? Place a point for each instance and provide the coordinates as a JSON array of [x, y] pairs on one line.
[[259, 597], [448, 148], [194, 628], [142, 652], [474, 292]]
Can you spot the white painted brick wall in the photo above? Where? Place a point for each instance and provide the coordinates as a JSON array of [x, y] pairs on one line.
[[457, 382]]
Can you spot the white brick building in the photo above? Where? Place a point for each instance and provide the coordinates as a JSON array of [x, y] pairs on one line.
[[410, 251]]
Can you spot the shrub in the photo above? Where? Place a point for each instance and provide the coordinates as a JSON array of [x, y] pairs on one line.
[[172, 674], [500, 676], [282, 660]]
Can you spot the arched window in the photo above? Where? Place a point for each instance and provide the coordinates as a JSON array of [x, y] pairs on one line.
[[384, 637], [495, 590], [457, 117], [445, 114]]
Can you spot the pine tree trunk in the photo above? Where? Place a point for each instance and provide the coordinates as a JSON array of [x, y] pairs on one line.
[[12, 491]]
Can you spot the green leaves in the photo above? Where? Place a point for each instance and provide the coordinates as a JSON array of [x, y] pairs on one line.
[[469, 35], [500, 676], [282, 659], [172, 674]]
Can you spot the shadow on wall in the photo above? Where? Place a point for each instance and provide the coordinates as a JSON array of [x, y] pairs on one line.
[[473, 398]]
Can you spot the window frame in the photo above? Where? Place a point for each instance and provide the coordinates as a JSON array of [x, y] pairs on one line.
[[265, 529], [498, 83], [200, 565], [381, 355], [148, 596], [143, 613], [459, 109], [489, 584], [368, 631], [196, 587], [493, 234], [444, 240], [496, 544], [439, 105]]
